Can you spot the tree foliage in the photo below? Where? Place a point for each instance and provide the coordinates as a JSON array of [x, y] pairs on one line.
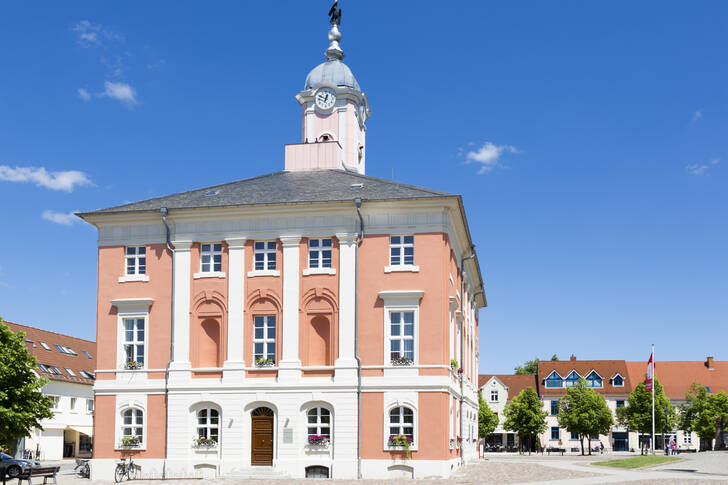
[[584, 412], [637, 414], [525, 415], [487, 418], [704, 413], [530, 367], [22, 404]]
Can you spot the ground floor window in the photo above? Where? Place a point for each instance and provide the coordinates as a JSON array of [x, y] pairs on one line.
[[84, 442], [317, 472], [554, 432], [132, 425]]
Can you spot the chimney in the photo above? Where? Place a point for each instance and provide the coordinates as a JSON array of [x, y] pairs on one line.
[[572, 358], [709, 362]]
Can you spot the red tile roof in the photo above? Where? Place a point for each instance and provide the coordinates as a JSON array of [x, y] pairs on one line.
[[514, 383], [605, 368], [54, 357], [676, 377]]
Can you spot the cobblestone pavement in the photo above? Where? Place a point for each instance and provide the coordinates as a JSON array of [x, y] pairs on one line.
[[703, 468]]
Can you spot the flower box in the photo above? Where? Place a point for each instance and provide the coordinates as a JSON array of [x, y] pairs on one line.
[[319, 440], [264, 363], [454, 365], [130, 442], [205, 443], [134, 365], [401, 361]]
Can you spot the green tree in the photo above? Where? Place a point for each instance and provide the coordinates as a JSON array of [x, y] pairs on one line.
[[487, 418], [530, 367], [584, 412], [525, 415], [637, 414], [22, 404], [706, 414]]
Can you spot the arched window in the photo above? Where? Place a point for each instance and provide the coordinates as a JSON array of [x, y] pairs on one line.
[[317, 472], [319, 422], [402, 422], [132, 424], [208, 424]]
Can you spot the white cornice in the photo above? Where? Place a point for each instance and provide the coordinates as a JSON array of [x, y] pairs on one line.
[[132, 304]]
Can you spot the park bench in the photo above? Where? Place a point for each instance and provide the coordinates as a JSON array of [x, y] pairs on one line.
[[44, 472], [551, 449]]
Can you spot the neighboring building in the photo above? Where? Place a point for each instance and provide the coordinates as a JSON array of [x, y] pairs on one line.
[[615, 380], [241, 326], [498, 390], [68, 363]]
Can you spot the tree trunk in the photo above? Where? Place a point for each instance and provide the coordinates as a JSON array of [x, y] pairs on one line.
[[529, 445], [588, 443], [581, 440]]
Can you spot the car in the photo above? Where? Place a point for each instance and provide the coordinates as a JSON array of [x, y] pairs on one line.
[[14, 466]]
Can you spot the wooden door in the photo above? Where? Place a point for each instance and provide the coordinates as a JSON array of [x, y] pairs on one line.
[[262, 438]]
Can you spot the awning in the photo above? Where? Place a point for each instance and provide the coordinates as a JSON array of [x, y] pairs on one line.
[[87, 430]]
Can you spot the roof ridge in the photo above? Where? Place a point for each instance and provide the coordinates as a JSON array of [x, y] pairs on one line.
[[50, 331]]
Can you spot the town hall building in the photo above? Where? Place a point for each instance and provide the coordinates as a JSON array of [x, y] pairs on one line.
[[312, 322]]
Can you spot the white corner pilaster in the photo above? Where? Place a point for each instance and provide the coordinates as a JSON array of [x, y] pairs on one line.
[[308, 122], [233, 367], [181, 267], [289, 364], [345, 365], [342, 112]]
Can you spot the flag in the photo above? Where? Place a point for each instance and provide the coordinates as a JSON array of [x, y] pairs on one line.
[[650, 374]]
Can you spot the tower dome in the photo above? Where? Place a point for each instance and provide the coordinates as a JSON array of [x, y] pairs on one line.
[[332, 71]]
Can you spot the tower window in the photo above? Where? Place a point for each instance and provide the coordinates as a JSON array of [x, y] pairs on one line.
[[325, 137]]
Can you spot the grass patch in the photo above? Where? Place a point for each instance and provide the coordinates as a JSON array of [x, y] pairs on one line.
[[637, 461]]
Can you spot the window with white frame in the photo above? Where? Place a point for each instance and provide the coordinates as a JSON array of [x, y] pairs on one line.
[[134, 340], [70, 372], [265, 255], [208, 424], [54, 401], [402, 335], [402, 422], [136, 260], [401, 250], [90, 405], [687, 438], [493, 395], [73, 404], [44, 345], [319, 422], [264, 338], [211, 258], [319, 253], [132, 424]]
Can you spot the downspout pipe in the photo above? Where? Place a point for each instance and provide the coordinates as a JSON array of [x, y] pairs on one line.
[[164, 212], [462, 346], [359, 240]]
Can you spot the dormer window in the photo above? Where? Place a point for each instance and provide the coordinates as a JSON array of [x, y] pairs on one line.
[[554, 381], [594, 380], [572, 379], [618, 381]]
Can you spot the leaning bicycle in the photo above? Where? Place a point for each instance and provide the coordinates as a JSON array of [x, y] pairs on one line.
[[124, 469]]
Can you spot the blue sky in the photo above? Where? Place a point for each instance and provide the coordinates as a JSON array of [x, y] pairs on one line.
[[588, 141]]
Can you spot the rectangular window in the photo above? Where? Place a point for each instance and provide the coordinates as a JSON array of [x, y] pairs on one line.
[[134, 340], [554, 432], [54, 370], [401, 250], [264, 337], [65, 350], [87, 354], [87, 375], [211, 258], [136, 260], [687, 438], [73, 403], [70, 372], [90, 405], [54, 401], [44, 345], [402, 335], [620, 403], [265, 255], [319, 253], [574, 436], [554, 407], [493, 395]]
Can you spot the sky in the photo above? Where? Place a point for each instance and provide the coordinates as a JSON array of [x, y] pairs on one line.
[[588, 141]]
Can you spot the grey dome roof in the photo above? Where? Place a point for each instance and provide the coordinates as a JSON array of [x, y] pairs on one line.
[[332, 71]]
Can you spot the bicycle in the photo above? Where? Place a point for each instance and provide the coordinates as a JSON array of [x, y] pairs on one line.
[[125, 469], [85, 471]]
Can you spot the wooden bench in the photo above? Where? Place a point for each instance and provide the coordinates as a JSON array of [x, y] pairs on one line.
[[555, 450], [44, 472]]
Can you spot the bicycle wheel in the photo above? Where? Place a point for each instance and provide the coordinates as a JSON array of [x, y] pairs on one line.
[[132, 471], [119, 473]]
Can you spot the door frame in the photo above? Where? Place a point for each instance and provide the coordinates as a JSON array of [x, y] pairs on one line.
[[249, 412]]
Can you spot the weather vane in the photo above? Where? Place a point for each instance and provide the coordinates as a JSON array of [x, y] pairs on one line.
[[335, 13]]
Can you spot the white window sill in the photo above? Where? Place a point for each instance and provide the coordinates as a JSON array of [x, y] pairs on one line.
[[264, 272], [133, 277], [310, 271], [130, 448], [399, 448], [211, 274], [402, 268]]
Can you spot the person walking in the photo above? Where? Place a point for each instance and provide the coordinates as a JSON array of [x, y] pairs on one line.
[[601, 447]]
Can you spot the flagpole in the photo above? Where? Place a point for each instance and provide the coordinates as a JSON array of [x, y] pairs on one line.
[[653, 399]]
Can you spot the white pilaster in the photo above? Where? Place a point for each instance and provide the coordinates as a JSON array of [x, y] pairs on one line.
[[291, 272], [235, 363], [342, 112], [309, 120], [181, 267], [346, 364]]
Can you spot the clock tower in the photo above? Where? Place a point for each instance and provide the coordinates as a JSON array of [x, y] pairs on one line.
[[335, 111]]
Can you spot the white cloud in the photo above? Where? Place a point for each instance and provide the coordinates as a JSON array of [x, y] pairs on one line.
[[120, 91], [90, 35], [489, 155], [701, 168], [66, 219], [697, 115], [66, 180], [83, 94]]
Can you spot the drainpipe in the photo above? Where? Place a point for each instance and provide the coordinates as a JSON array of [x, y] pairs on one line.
[[170, 248], [359, 240], [462, 346]]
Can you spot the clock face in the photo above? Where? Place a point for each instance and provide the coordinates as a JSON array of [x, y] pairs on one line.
[[325, 98]]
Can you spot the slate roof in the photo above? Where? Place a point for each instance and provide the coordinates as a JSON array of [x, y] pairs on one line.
[[283, 188], [54, 357]]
